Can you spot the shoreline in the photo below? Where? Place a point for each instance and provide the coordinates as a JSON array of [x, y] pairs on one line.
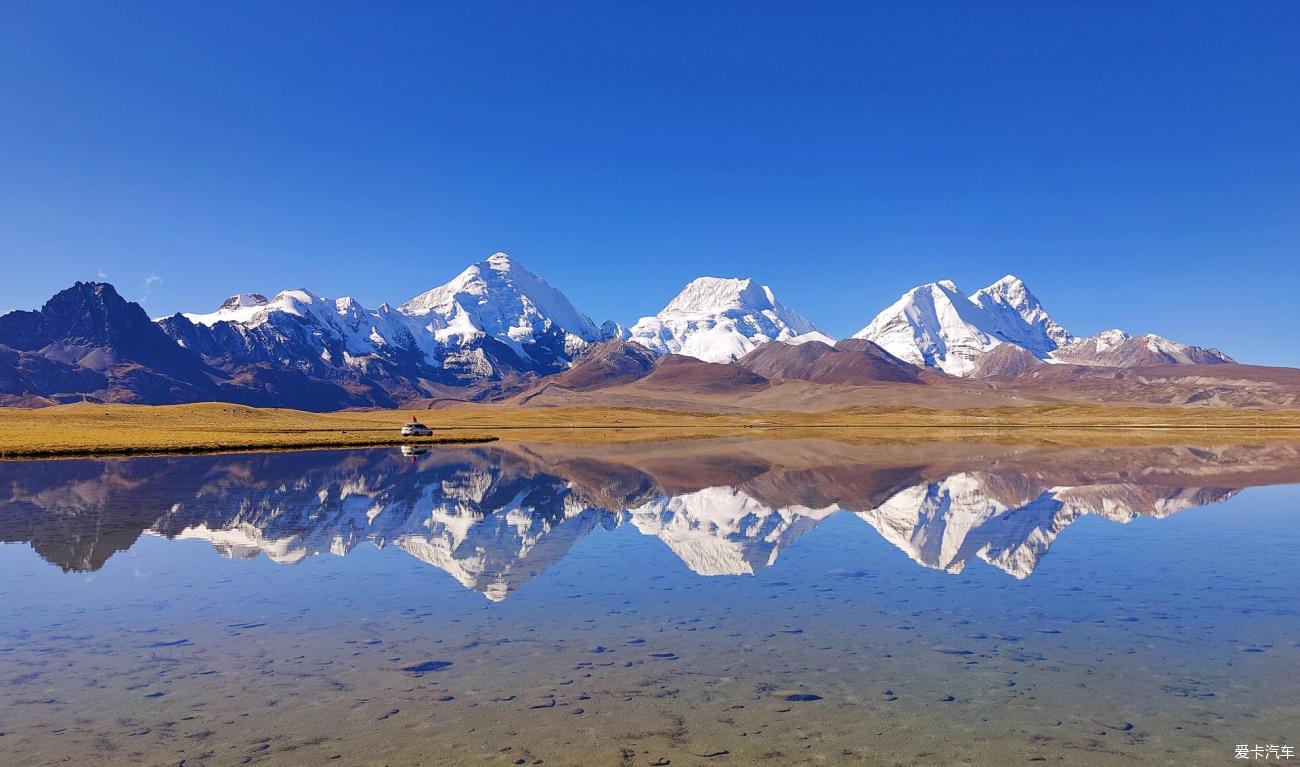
[[94, 451], [89, 431]]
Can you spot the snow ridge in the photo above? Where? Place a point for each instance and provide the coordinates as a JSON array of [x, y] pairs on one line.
[[935, 325], [494, 301], [718, 319], [496, 318], [499, 298]]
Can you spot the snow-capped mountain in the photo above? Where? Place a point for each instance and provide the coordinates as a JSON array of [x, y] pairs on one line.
[[495, 329], [718, 319], [500, 299], [339, 331], [936, 325], [493, 319], [1115, 348], [1016, 315]]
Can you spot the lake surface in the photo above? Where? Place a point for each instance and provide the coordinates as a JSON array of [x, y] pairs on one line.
[[705, 602]]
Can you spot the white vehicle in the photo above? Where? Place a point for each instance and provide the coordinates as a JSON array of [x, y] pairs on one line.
[[416, 429]]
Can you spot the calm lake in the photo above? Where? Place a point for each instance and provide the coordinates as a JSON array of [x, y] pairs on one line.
[[694, 603]]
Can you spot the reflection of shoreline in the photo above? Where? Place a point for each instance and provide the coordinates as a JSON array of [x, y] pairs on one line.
[[493, 518]]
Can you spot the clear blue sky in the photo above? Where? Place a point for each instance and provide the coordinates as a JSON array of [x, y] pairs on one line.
[[1138, 164]]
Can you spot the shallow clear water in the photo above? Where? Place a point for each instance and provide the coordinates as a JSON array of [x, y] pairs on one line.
[[713, 602]]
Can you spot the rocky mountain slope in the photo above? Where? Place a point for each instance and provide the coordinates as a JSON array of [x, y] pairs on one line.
[[89, 341]]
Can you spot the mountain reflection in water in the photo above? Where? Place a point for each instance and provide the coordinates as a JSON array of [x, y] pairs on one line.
[[494, 517]]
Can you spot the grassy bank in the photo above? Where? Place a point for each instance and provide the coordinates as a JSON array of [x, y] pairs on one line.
[[137, 429], [74, 430]]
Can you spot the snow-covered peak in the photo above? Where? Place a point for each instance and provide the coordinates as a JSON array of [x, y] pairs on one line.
[[463, 327], [718, 319], [710, 295], [1101, 342], [498, 297], [296, 296], [935, 325], [348, 306], [499, 261], [253, 308], [1115, 348], [1010, 285], [243, 300], [1009, 291], [1019, 317]]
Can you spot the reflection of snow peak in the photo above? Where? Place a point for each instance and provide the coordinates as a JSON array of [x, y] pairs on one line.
[[243, 541], [722, 531], [490, 546], [493, 526], [943, 524]]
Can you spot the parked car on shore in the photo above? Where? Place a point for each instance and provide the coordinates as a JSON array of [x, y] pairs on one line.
[[416, 429]]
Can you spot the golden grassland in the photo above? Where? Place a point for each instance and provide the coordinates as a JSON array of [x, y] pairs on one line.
[[210, 427], [72, 430]]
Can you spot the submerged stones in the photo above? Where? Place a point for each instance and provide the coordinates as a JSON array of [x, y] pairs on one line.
[[420, 669]]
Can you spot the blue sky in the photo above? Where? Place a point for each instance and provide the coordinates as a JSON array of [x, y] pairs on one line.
[[1138, 164]]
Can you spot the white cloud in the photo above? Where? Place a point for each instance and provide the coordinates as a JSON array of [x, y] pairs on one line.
[[149, 281]]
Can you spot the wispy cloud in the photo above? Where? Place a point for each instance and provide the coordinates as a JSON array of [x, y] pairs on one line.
[[103, 275], [149, 281]]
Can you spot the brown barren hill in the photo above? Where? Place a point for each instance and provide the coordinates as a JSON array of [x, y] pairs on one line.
[[687, 375], [1230, 385], [599, 367], [852, 361], [1006, 361]]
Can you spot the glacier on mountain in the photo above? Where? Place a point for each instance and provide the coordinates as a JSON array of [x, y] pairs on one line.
[[719, 319], [937, 326], [501, 299], [494, 318]]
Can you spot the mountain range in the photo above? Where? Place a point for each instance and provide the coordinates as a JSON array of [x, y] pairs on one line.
[[498, 332]]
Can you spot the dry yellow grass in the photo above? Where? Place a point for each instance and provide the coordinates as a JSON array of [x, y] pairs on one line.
[[206, 427], [131, 429]]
